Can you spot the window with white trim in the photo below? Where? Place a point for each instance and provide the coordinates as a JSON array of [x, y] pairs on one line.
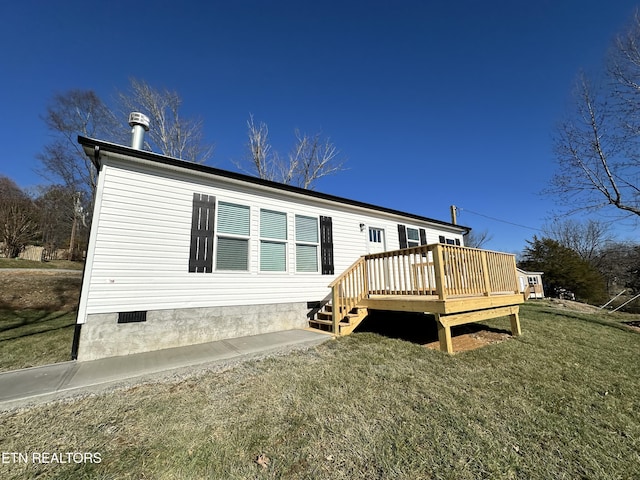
[[413, 237], [273, 241], [232, 235], [307, 242]]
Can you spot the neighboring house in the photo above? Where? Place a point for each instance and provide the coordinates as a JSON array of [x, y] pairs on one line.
[[180, 253], [530, 284]]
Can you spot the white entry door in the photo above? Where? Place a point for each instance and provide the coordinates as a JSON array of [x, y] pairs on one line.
[[376, 240]]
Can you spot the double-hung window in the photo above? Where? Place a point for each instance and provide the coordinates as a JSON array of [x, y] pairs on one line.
[[307, 241], [413, 237], [233, 237], [273, 241]]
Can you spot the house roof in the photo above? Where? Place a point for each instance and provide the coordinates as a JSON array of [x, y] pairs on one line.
[[529, 273], [94, 147]]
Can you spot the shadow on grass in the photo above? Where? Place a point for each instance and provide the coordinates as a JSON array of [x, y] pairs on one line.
[[39, 332], [416, 328], [33, 322]]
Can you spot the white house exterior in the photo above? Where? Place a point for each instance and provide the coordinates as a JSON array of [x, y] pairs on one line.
[[531, 282], [181, 253]]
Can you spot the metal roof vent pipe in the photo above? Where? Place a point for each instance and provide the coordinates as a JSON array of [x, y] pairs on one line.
[[139, 124]]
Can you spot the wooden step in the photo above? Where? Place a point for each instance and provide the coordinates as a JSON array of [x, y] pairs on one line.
[[329, 308], [329, 322]]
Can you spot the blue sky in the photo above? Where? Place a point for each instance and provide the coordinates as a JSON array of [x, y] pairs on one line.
[[432, 103]]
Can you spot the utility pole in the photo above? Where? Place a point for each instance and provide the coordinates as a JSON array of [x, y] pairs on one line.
[[454, 214], [77, 211]]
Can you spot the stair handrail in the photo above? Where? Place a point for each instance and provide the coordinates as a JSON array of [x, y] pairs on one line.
[[348, 290]]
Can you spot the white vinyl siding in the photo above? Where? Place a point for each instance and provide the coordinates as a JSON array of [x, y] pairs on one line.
[[140, 241], [307, 240], [273, 254], [232, 233]]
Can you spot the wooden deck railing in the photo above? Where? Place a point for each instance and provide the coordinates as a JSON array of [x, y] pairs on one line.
[[347, 290], [438, 270]]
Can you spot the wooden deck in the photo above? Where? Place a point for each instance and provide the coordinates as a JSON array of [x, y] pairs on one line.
[[457, 284]]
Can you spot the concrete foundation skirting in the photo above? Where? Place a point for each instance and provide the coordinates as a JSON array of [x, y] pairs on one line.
[[102, 336]]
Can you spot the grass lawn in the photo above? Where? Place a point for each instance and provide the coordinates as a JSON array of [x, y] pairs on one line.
[[21, 263], [34, 337], [562, 401]]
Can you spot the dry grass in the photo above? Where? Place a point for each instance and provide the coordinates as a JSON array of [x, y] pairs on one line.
[[30, 338], [559, 402], [51, 264], [37, 314]]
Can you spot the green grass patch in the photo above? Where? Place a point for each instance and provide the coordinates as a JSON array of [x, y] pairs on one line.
[[561, 401], [53, 264], [30, 338]]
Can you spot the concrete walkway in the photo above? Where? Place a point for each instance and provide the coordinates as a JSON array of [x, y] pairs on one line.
[[30, 386]]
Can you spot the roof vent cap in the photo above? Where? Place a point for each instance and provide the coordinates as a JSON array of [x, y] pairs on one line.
[[139, 124], [137, 118]]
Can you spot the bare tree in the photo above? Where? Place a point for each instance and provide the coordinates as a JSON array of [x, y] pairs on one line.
[[76, 112], [264, 161], [587, 239], [619, 264], [62, 219], [18, 222], [597, 146], [475, 239], [170, 133], [82, 112], [311, 158]]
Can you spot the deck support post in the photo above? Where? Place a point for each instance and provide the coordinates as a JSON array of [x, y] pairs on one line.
[[515, 323], [444, 335]]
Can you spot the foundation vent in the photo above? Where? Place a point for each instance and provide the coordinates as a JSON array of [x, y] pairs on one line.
[[132, 317]]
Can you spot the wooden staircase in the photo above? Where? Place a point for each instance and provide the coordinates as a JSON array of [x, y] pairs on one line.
[[324, 319]]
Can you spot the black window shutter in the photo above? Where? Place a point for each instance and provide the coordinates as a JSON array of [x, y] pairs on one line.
[[326, 245], [402, 236], [441, 239], [458, 241], [423, 236], [202, 222]]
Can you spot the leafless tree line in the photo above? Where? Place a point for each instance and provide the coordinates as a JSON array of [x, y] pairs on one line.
[[83, 112], [44, 217]]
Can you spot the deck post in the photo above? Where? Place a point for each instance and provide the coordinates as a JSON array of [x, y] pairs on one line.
[[515, 323], [438, 266], [516, 286], [335, 309], [365, 277], [444, 335], [485, 273]]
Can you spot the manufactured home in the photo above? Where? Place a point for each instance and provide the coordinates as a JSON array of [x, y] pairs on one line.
[[181, 253], [530, 284]]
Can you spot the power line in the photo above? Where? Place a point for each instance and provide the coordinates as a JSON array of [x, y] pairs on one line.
[[499, 220]]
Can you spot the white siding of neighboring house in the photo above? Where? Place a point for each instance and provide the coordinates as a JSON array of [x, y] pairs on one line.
[[139, 251]]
